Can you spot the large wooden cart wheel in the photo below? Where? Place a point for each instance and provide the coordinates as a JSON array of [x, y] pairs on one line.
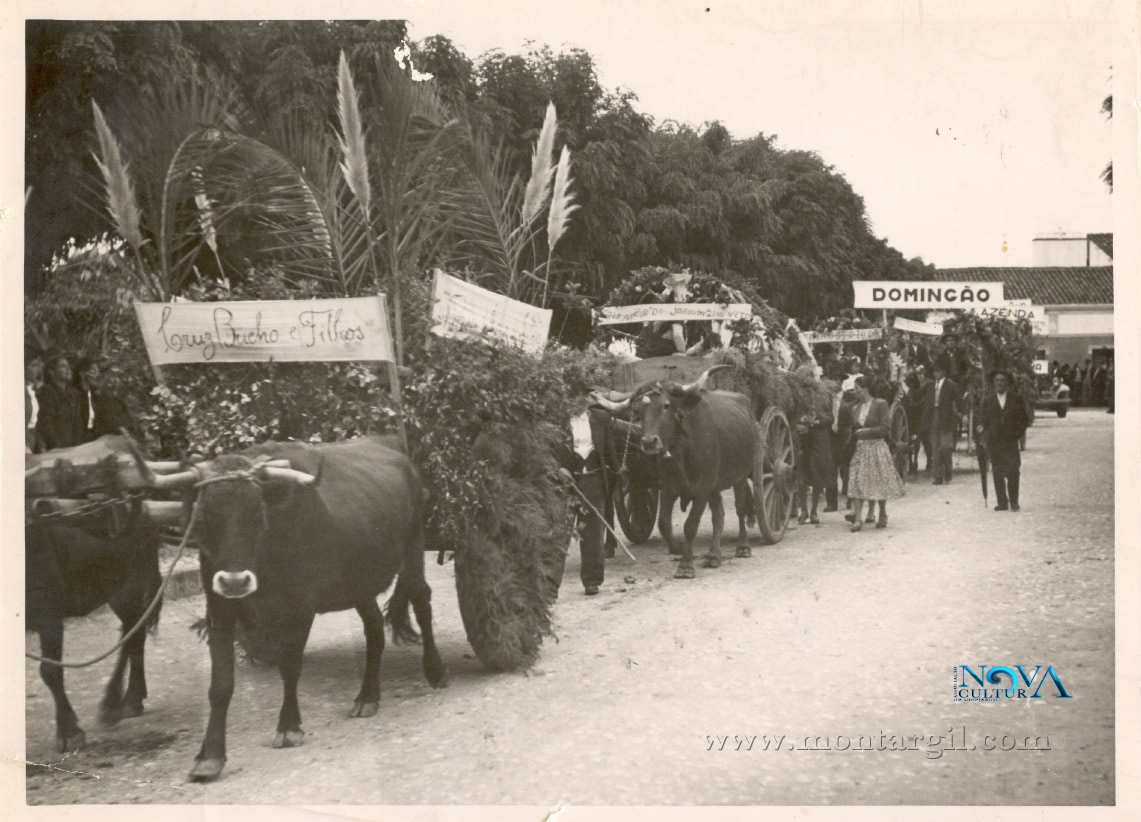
[[635, 506], [774, 466], [900, 435]]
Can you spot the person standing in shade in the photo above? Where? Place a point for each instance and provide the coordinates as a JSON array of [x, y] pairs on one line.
[[943, 411], [816, 467], [1003, 421], [840, 435], [873, 474], [99, 412], [1109, 388], [59, 424], [33, 379]]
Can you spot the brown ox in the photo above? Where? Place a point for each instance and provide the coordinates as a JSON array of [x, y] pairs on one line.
[[703, 442], [281, 544]]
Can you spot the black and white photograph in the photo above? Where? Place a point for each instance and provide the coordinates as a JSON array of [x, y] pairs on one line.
[[544, 410]]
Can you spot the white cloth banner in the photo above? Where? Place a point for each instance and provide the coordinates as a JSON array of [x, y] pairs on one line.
[[263, 330], [934, 329], [842, 335], [903, 294], [462, 310], [671, 312]]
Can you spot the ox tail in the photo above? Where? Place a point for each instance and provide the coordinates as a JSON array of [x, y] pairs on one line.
[[396, 611]]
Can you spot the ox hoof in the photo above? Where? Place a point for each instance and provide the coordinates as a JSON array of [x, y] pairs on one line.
[[70, 743], [744, 552], [109, 716], [131, 710], [289, 739], [711, 562], [437, 678], [363, 710], [206, 770], [685, 572]]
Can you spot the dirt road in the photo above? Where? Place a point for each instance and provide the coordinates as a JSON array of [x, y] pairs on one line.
[[661, 691]]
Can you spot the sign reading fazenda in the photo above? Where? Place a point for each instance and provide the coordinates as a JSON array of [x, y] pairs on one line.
[[262, 330], [903, 294]]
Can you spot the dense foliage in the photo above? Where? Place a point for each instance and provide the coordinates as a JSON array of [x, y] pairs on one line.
[[781, 220]]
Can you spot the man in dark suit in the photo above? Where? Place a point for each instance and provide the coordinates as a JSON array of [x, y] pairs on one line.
[[942, 408], [1002, 423], [59, 424], [99, 412], [583, 456]]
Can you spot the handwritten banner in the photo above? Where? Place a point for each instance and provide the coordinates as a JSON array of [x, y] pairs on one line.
[[903, 294], [263, 330], [934, 329], [842, 335], [671, 312], [463, 310]]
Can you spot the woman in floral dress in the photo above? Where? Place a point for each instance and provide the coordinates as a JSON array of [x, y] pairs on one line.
[[872, 476]]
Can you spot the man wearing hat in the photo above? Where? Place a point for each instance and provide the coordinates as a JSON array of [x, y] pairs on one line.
[[1001, 425], [943, 409]]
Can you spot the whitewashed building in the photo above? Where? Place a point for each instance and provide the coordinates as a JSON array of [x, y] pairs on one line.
[[1072, 278]]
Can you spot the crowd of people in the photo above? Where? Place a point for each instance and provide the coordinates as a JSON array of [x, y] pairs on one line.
[[1088, 384], [847, 448], [67, 404]]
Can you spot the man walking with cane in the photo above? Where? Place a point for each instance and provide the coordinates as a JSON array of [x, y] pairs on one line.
[[1003, 421], [943, 403]]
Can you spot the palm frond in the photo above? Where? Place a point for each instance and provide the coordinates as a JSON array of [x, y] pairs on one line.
[[118, 191], [562, 201], [352, 142], [542, 166]]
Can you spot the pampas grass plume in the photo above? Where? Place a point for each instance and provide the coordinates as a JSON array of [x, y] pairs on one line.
[[120, 193], [539, 186], [562, 201], [351, 139]]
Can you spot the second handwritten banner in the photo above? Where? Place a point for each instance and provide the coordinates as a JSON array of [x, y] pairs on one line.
[[258, 331]]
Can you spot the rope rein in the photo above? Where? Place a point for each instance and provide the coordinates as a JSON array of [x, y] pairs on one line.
[[146, 614]]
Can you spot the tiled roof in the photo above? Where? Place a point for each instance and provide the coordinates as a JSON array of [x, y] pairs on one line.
[[1043, 286], [1104, 242]]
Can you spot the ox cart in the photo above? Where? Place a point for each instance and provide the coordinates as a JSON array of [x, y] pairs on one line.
[[636, 492]]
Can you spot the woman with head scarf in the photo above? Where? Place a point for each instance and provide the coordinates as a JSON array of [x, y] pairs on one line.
[[872, 475]]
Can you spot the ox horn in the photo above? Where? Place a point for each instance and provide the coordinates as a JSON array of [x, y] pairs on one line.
[[276, 472], [697, 386], [150, 470], [611, 405]]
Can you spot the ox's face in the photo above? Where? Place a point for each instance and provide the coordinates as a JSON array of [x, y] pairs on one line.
[[234, 511], [663, 412], [231, 526]]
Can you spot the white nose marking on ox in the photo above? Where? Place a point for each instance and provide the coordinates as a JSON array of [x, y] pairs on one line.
[[235, 586]]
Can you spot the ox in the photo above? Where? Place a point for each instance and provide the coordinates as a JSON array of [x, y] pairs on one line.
[[279, 545], [704, 443], [106, 556]]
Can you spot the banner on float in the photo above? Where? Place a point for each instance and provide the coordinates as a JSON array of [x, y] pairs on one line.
[[903, 294], [1017, 310], [842, 335], [263, 330], [934, 329], [671, 312], [463, 310]]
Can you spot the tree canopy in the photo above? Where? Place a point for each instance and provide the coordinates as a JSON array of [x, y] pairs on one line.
[[780, 219]]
